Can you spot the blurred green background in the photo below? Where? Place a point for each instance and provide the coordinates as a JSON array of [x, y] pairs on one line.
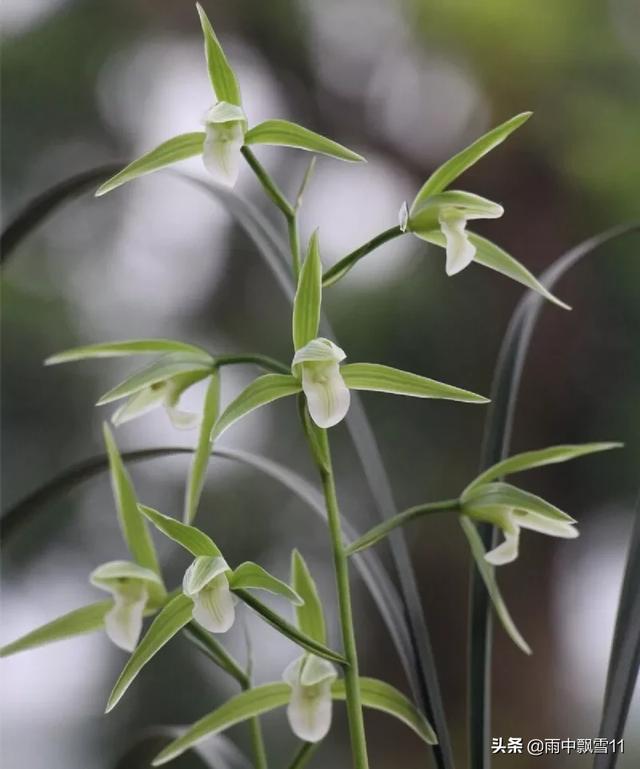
[[406, 84]]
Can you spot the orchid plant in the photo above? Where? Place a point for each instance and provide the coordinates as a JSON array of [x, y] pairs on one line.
[[212, 593]]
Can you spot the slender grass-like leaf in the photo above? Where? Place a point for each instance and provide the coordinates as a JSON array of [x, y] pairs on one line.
[[488, 577], [624, 662], [173, 150], [263, 390], [251, 576], [309, 615], [133, 525], [38, 209], [173, 617], [379, 695], [200, 461], [77, 622], [378, 378], [163, 369], [286, 134], [531, 459], [123, 349], [308, 299], [223, 79], [458, 164], [496, 441], [192, 539]]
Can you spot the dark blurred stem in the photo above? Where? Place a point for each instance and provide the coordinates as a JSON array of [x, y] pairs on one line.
[[341, 568], [264, 361], [307, 749], [216, 652], [341, 268]]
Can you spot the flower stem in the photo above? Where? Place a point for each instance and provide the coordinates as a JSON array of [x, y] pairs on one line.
[[303, 754], [294, 244], [341, 568], [270, 187], [264, 361], [341, 268]]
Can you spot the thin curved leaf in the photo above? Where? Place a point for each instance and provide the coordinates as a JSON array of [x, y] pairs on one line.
[[496, 440], [200, 461], [122, 349], [531, 459], [39, 208], [77, 622], [286, 134], [263, 390], [458, 164], [251, 576], [132, 524], [173, 617], [192, 539], [379, 378], [309, 615], [308, 300], [487, 573], [173, 150], [223, 79], [379, 695]]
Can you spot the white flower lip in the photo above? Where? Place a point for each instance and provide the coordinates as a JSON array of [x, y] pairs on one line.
[[225, 126], [317, 365], [207, 584], [460, 250], [310, 707], [127, 583]]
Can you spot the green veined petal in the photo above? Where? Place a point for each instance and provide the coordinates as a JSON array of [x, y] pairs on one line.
[[379, 695], [263, 390], [122, 349], [191, 538], [176, 149], [449, 171], [202, 454], [284, 133], [495, 258], [490, 495], [223, 79], [133, 525], [251, 576], [489, 578], [77, 622], [173, 617], [245, 705], [530, 459], [308, 300], [373, 376], [309, 616]]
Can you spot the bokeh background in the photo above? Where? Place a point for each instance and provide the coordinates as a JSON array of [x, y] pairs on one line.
[[406, 83]]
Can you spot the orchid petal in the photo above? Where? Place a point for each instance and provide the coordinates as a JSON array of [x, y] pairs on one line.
[[206, 583], [138, 404], [546, 525], [506, 551], [310, 707], [123, 623], [221, 150], [460, 250]]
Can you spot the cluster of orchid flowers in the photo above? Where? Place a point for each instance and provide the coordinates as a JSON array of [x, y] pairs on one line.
[[317, 373]]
